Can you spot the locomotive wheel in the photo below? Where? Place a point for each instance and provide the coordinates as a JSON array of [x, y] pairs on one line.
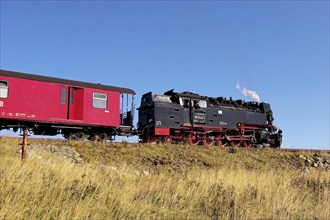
[[168, 140], [208, 141], [221, 141], [235, 143], [152, 140], [218, 140], [193, 140], [247, 143]]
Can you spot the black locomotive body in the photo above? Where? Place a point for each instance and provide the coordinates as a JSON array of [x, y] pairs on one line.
[[194, 119]]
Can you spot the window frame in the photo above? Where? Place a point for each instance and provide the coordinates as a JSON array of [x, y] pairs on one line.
[[102, 99], [63, 96], [6, 88]]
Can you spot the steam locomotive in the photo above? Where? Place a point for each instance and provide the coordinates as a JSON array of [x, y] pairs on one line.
[[188, 117], [81, 110]]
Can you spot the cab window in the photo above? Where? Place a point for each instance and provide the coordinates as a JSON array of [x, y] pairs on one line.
[[3, 89], [199, 103], [186, 103], [202, 103], [99, 100]]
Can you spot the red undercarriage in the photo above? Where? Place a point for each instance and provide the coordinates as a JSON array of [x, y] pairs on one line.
[[207, 136]]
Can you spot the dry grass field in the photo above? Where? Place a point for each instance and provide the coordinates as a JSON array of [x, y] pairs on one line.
[[135, 181]]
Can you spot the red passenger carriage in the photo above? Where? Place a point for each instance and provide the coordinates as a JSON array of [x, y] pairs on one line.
[[51, 106]]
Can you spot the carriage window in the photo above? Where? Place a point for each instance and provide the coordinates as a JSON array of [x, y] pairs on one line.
[[72, 97], [100, 100], [63, 96], [3, 89]]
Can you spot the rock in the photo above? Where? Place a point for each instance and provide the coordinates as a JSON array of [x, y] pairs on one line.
[[78, 160], [145, 173], [315, 165], [318, 159], [136, 173], [109, 168], [302, 157], [309, 161], [65, 152], [52, 150], [259, 146], [113, 168]]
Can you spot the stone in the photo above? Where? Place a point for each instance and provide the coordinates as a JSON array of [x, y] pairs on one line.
[[145, 173], [136, 173], [78, 160], [109, 168], [318, 159]]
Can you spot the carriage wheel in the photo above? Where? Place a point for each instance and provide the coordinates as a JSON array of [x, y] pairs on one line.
[[72, 137], [80, 136], [94, 138], [103, 137]]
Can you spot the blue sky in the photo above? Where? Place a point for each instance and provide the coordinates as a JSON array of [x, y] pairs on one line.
[[280, 49]]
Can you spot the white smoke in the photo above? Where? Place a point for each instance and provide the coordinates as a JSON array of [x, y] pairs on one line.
[[248, 93]]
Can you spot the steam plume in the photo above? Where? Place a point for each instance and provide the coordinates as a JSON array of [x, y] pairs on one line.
[[249, 93]]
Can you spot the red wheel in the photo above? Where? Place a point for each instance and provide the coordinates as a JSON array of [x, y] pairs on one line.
[[208, 141], [247, 143], [193, 139], [168, 140], [219, 141], [235, 143], [152, 139]]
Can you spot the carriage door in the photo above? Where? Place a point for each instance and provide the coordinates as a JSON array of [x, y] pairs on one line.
[[75, 103]]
